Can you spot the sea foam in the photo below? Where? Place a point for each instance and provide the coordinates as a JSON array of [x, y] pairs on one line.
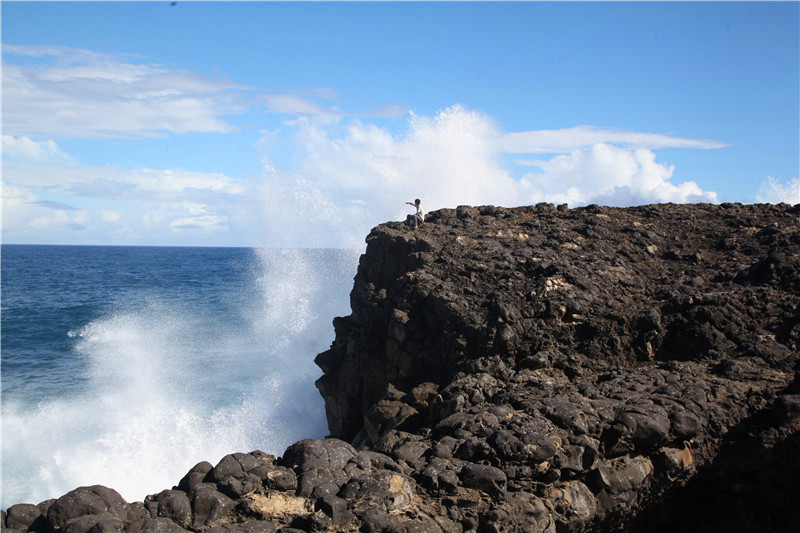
[[170, 382]]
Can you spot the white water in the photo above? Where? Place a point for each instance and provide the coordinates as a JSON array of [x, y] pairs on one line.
[[169, 384]]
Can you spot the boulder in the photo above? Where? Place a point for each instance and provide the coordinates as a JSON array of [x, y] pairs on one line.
[[21, 516], [209, 506], [86, 501], [489, 479]]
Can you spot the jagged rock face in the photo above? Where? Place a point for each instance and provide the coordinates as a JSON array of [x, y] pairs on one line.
[[596, 357], [585, 291], [536, 369]]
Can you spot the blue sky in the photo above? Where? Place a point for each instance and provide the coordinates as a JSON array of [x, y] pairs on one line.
[[305, 124]]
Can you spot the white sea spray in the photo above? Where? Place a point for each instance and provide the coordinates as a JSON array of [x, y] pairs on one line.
[[171, 382]]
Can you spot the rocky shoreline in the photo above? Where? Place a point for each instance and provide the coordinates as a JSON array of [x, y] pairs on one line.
[[530, 369]]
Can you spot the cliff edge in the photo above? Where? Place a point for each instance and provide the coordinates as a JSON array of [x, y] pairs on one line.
[[596, 358], [536, 369]]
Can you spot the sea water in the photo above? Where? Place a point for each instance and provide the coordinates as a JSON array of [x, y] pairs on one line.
[[125, 366]]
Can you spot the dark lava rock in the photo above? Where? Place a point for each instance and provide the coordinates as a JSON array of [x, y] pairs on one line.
[[22, 516], [86, 503], [489, 479], [597, 357]]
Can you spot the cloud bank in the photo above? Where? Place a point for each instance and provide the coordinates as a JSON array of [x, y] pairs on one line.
[[585, 137], [51, 203], [23, 148], [349, 176], [72, 93], [342, 176], [329, 174]]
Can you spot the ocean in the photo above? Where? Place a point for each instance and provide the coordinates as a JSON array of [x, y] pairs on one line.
[[126, 366]]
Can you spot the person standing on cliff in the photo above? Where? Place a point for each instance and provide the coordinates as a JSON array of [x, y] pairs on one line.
[[417, 218]]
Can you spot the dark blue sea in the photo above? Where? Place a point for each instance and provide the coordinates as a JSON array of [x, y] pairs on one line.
[[125, 366]]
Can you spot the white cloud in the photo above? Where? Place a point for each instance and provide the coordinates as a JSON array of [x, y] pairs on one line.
[[772, 191], [109, 215], [293, 104], [60, 219], [585, 137], [349, 176], [610, 175], [95, 205], [352, 175], [391, 111], [72, 93], [27, 149], [115, 183], [298, 104], [83, 94], [16, 205], [167, 181], [36, 220], [54, 205], [329, 177], [199, 218]]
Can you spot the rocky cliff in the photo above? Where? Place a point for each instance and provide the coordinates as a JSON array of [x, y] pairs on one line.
[[531, 369]]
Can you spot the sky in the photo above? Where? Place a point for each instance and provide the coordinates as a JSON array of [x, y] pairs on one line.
[[304, 124]]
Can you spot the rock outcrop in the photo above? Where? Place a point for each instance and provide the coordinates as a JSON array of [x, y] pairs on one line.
[[531, 369]]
